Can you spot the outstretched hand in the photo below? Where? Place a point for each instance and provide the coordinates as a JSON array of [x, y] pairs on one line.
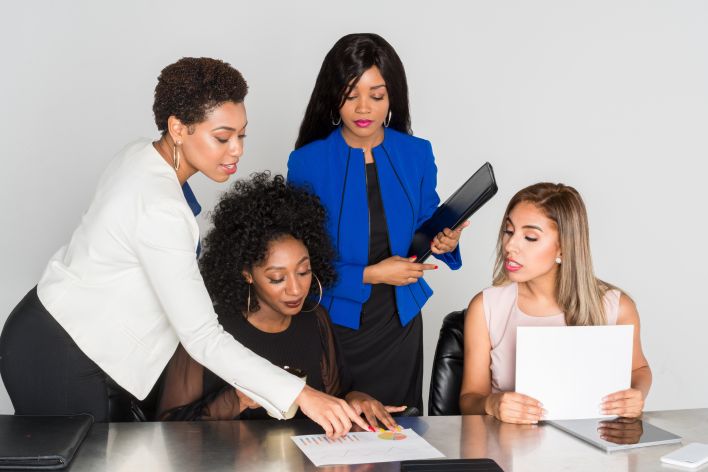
[[373, 409], [334, 415]]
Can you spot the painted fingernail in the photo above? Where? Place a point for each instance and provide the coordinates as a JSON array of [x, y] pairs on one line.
[[436, 267], [414, 258], [371, 428]]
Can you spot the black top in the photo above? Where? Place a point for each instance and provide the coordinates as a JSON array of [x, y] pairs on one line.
[[382, 301], [191, 392], [297, 346]]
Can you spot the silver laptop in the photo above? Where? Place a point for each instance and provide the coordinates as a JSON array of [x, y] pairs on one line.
[[614, 434]]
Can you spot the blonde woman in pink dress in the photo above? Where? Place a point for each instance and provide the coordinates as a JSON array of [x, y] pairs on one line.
[[543, 276]]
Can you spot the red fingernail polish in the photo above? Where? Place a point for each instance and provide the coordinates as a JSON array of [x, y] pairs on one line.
[[436, 267], [414, 257], [371, 428]]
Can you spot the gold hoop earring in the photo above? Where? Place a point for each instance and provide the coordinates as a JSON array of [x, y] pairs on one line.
[[387, 121], [175, 155], [248, 300], [319, 300]]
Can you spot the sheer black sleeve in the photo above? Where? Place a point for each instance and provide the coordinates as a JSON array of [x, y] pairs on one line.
[[183, 397], [335, 375]]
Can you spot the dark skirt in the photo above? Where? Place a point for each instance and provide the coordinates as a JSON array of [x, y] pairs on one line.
[[384, 358]]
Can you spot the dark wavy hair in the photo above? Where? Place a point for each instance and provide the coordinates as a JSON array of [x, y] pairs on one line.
[[341, 69], [246, 220], [192, 87]]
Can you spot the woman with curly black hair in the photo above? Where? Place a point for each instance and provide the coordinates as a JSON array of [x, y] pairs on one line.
[[266, 261], [112, 305]]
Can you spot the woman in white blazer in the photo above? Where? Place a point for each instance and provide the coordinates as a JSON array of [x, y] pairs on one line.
[[113, 304]]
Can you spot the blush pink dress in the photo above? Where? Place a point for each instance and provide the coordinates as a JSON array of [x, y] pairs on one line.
[[503, 316]]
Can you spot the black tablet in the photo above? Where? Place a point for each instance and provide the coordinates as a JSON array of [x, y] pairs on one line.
[[451, 465], [456, 210]]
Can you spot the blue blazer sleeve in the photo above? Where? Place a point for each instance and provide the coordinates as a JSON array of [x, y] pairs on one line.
[[350, 277], [429, 203]]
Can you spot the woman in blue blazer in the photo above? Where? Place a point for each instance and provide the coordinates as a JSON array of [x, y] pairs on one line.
[[377, 182]]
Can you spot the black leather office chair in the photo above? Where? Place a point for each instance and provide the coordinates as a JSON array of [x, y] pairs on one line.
[[446, 379]]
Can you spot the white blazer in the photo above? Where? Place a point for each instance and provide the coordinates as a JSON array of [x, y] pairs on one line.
[[127, 287]]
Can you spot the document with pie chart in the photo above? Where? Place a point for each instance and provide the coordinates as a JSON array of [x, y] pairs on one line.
[[364, 448]]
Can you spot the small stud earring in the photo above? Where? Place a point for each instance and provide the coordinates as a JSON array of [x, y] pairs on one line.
[[558, 260]]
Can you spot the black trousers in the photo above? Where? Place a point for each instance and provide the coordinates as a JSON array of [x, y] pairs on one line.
[[45, 372]]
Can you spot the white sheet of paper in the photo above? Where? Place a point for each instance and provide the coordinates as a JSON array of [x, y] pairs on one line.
[[363, 448], [569, 369]]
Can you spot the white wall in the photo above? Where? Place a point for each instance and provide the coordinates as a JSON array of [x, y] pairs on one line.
[[609, 96]]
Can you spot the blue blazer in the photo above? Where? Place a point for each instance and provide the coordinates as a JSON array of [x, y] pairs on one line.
[[337, 174]]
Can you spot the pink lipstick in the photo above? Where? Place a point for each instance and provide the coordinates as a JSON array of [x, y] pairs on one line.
[[363, 123], [512, 266]]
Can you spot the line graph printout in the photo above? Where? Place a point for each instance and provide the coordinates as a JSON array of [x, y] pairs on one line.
[[364, 448]]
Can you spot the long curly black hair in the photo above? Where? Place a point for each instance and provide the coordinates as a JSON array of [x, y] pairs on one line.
[[192, 87], [246, 219]]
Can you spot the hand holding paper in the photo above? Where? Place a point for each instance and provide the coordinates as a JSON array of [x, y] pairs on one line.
[[512, 407], [570, 369]]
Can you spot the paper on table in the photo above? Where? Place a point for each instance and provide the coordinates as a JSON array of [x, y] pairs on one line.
[[569, 369], [364, 448]]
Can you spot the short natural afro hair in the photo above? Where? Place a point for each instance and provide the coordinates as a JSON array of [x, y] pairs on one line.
[[193, 86], [246, 220]]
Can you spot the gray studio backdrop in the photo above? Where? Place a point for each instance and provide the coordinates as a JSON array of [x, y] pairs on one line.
[[609, 96]]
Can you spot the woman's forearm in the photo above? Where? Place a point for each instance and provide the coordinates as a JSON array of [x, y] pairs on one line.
[[473, 404], [641, 380]]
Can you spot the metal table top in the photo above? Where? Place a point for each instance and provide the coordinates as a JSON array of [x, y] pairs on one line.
[[266, 445]]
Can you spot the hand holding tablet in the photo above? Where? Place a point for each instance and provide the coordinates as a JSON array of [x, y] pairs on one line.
[[441, 232]]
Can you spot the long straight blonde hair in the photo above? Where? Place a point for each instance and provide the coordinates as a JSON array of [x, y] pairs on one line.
[[578, 292]]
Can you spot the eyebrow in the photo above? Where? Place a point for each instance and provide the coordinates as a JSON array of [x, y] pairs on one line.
[[282, 268], [508, 220], [377, 87], [229, 128]]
